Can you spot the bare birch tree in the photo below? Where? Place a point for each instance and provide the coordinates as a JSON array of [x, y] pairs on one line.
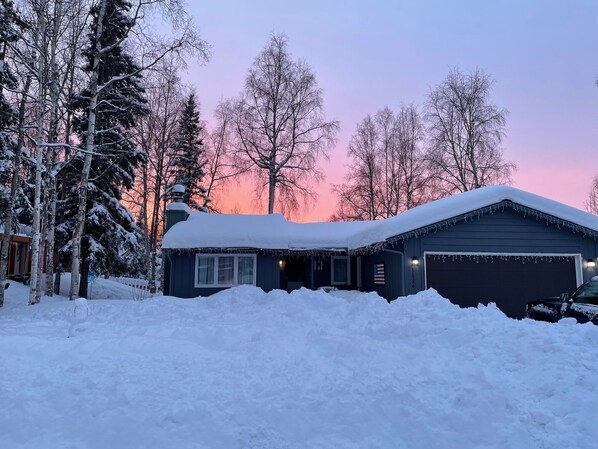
[[157, 134], [280, 125], [49, 56], [387, 173], [358, 197], [68, 23], [465, 131], [221, 166], [416, 180], [591, 203], [41, 43]]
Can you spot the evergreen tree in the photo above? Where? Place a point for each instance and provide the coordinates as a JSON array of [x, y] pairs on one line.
[[9, 22], [110, 231], [188, 157]]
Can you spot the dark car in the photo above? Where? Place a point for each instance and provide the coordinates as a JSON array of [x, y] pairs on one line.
[[582, 305]]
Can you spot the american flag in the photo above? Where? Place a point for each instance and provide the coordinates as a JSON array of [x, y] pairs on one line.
[[379, 277]]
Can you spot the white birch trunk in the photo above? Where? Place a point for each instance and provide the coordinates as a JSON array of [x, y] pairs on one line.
[[51, 196], [51, 237], [90, 147], [34, 293]]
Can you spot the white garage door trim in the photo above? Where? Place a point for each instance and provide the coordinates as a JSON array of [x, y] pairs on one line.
[[578, 272]]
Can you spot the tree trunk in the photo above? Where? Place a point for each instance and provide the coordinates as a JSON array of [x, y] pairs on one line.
[[57, 280], [40, 264], [34, 293], [90, 147], [51, 226], [51, 197], [271, 192], [153, 234], [83, 287], [163, 254]]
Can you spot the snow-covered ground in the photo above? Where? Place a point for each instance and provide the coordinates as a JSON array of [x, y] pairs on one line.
[[245, 369]]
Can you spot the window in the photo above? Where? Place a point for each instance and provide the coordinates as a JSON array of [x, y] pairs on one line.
[[341, 271], [587, 293], [246, 270], [224, 270], [205, 270]]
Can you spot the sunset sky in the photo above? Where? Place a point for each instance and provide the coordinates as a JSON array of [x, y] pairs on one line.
[[366, 55]]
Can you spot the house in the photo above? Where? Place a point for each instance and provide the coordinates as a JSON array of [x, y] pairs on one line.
[[494, 244], [19, 257]]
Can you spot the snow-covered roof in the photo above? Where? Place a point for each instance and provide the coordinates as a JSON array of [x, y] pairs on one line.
[[179, 206], [326, 235], [463, 203], [203, 230], [22, 230]]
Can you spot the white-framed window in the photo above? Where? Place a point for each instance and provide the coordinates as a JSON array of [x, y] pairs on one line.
[[341, 270], [225, 270]]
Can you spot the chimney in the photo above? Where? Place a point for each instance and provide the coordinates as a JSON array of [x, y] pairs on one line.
[[177, 210], [178, 193]]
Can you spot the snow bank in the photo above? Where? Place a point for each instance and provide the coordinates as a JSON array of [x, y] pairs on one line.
[[246, 369], [202, 230]]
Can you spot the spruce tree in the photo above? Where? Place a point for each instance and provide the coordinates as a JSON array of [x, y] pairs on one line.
[[9, 24], [188, 157], [110, 230]]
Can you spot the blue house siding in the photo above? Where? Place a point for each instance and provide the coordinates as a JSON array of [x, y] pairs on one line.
[[392, 258], [181, 275], [503, 231], [268, 272]]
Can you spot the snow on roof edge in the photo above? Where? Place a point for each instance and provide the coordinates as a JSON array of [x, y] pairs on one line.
[[179, 206], [274, 232]]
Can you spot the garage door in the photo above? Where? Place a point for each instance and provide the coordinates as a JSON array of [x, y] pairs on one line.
[[508, 281]]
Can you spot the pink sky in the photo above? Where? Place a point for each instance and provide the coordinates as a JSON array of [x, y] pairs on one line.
[[367, 55]]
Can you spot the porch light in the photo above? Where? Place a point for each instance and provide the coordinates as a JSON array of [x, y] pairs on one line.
[[281, 263], [415, 261], [591, 263]]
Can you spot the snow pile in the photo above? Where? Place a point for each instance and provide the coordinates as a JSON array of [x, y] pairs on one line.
[[202, 230], [246, 369]]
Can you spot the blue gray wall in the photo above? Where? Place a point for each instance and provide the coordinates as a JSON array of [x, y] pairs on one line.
[[181, 275], [504, 231], [392, 258]]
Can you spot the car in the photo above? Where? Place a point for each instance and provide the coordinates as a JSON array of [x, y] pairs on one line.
[[582, 305]]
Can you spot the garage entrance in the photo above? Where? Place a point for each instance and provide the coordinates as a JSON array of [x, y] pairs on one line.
[[510, 281]]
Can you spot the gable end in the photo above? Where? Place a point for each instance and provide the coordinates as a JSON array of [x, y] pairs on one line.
[[503, 205]]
